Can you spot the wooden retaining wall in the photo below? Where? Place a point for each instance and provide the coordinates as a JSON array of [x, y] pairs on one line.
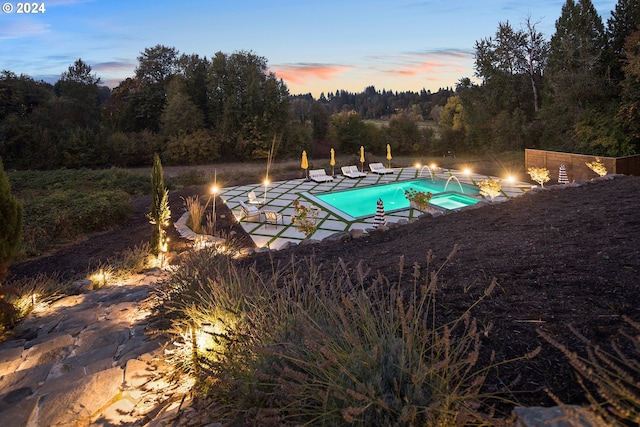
[[577, 170]]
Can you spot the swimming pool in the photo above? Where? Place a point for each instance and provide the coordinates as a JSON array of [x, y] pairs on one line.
[[361, 202]]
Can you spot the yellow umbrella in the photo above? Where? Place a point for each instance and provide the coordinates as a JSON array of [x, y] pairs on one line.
[[389, 155], [305, 163], [362, 157], [333, 162]]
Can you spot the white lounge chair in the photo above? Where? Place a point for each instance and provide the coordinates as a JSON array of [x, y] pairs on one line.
[[355, 172], [273, 217], [249, 211], [319, 175], [253, 200], [379, 168]]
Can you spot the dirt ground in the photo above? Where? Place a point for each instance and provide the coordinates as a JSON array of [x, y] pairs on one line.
[[561, 256]]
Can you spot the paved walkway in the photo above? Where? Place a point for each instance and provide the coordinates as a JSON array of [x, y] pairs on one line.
[[86, 360], [279, 196]]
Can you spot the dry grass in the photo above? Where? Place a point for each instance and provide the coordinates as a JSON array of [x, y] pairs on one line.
[[611, 379], [296, 349]]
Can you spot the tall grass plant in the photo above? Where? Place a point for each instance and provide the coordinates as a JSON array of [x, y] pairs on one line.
[[303, 347]]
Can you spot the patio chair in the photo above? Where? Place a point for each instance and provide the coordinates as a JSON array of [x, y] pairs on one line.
[[253, 200], [352, 172], [319, 175], [355, 172], [273, 217], [249, 211], [379, 168]]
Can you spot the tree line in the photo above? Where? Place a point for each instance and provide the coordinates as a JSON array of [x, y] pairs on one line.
[[578, 91], [187, 108]]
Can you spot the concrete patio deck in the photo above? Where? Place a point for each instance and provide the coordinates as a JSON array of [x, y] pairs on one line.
[[280, 196]]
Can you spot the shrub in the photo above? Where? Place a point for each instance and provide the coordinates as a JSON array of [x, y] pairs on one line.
[[66, 214], [59, 205], [597, 166], [305, 218], [304, 348], [490, 188], [539, 175], [419, 198]]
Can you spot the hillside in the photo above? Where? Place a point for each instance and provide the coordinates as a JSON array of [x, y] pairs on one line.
[[561, 256]]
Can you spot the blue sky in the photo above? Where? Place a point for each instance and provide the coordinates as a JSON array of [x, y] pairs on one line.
[[314, 46]]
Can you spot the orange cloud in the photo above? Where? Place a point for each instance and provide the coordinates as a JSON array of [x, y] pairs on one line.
[[428, 62], [300, 73]]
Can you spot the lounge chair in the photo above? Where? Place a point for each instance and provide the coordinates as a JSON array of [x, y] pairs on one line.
[[253, 200], [273, 217], [249, 211], [352, 172], [379, 168], [319, 175]]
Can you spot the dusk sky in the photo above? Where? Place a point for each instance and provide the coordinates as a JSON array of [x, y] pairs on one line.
[[314, 46]]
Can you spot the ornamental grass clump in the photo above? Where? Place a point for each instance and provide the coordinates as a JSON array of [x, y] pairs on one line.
[[328, 345], [196, 213], [122, 265], [21, 297], [610, 379]]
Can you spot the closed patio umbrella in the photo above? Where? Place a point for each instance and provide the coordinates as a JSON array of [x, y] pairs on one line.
[[304, 164], [333, 163], [562, 175], [379, 220], [389, 156], [362, 157]]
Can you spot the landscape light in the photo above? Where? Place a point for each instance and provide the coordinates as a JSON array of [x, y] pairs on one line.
[[214, 191], [266, 183], [466, 171]]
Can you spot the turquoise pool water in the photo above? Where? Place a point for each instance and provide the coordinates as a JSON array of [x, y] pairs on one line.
[[360, 202]]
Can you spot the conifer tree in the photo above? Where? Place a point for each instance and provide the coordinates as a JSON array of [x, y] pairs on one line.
[[10, 223], [624, 20], [160, 212]]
